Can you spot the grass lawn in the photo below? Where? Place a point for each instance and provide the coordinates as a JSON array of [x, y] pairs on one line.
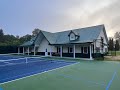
[[113, 56], [113, 53], [85, 75]]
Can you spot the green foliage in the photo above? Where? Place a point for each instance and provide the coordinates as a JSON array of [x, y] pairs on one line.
[[114, 53], [35, 31], [117, 46], [9, 43], [25, 38], [8, 49], [111, 44], [11, 40], [117, 38], [1, 35]]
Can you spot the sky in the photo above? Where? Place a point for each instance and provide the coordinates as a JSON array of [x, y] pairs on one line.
[[21, 17]]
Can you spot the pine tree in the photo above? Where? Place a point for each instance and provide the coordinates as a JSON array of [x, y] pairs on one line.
[[111, 44], [117, 46]]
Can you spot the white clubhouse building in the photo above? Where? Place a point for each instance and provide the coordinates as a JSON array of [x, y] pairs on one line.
[[77, 43]]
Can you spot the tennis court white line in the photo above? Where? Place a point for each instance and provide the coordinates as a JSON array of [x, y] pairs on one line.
[[8, 64], [38, 73], [17, 58], [110, 82], [12, 59]]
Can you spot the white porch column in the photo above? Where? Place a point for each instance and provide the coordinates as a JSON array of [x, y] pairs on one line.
[[18, 50], [34, 50], [91, 53], [28, 51], [74, 51], [23, 51], [61, 51]]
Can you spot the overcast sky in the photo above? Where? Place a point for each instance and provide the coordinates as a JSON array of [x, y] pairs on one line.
[[20, 17]]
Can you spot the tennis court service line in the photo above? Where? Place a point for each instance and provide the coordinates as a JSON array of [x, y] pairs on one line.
[[39, 73], [110, 82]]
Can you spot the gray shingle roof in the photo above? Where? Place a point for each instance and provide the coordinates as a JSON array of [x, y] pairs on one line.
[[29, 43], [51, 37], [87, 34]]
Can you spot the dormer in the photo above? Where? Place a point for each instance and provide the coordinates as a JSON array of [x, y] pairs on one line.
[[73, 36]]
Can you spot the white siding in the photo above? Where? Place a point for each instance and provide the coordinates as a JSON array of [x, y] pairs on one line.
[[104, 39], [65, 49], [45, 45], [77, 48]]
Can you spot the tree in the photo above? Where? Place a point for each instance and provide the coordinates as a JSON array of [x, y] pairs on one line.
[[25, 38], [1, 32], [35, 31], [117, 36], [117, 46], [17, 37], [111, 44], [1, 35]]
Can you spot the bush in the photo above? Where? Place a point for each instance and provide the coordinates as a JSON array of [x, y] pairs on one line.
[[8, 49]]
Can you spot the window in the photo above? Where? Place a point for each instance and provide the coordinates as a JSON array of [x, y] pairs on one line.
[[58, 49], [85, 50], [102, 42], [72, 36], [46, 50], [70, 49], [80, 50]]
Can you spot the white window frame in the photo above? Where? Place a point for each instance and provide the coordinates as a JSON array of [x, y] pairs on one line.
[[72, 37]]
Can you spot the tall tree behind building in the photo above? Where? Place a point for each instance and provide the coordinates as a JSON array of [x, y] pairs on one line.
[[117, 40], [111, 44], [1, 35], [117, 46], [117, 36], [35, 31]]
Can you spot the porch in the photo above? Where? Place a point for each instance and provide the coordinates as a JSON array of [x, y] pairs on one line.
[[75, 51], [68, 50]]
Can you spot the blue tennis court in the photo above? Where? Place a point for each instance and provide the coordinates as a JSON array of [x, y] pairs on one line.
[[18, 68]]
